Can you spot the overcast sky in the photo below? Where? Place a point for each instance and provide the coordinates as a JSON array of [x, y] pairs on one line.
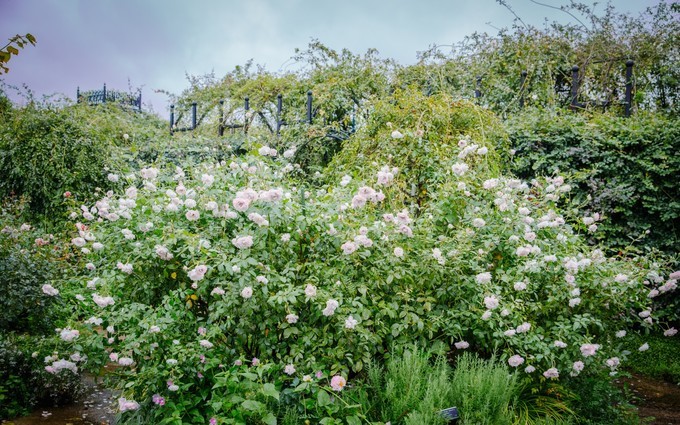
[[153, 44]]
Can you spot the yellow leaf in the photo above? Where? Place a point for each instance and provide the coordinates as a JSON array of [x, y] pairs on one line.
[[173, 275]]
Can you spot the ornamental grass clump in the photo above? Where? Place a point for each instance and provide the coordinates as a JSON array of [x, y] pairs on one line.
[[482, 390]]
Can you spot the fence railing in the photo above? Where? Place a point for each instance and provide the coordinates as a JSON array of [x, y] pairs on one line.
[[573, 90], [96, 97]]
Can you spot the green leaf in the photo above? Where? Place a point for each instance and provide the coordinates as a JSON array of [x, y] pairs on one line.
[[353, 420], [270, 391], [269, 419], [252, 405], [323, 399]]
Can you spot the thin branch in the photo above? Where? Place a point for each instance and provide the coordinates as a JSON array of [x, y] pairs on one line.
[[562, 10], [507, 6]]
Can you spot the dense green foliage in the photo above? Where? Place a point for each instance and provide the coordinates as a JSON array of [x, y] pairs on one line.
[[46, 151], [262, 278], [29, 259], [664, 363], [626, 169]]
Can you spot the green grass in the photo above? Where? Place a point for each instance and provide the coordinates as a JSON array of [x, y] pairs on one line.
[[661, 361]]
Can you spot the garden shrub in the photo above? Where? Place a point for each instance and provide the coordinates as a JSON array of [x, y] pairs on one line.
[[200, 269], [417, 136], [46, 151], [32, 309], [598, 401], [623, 168], [24, 381], [26, 264]]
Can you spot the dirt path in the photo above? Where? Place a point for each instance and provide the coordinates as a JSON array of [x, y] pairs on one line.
[[656, 398]]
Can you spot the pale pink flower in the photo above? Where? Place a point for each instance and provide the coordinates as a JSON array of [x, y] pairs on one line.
[[578, 366], [125, 404], [241, 204], [205, 343], [459, 168], [125, 268], [462, 345], [363, 240], [242, 242], [102, 301], [125, 361], [644, 347], [49, 290], [478, 222], [483, 278], [207, 180], [348, 247], [292, 318], [192, 215], [258, 219], [551, 373], [588, 350], [247, 292], [164, 253], [198, 273], [289, 369], [310, 290], [613, 362], [406, 230], [350, 322], [157, 399], [523, 328], [491, 302], [515, 360], [331, 306], [338, 383], [69, 335], [670, 332]]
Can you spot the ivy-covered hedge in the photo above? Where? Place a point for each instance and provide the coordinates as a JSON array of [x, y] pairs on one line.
[[626, 169], [47, 150]]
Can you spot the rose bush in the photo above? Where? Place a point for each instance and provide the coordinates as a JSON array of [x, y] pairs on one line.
[[191, 275]]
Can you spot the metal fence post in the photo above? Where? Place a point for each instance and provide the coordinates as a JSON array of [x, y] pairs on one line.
[[478, 91], [523, 80], [193, 115], [279, 107], [574, 87], [104, 94], [220, 129], [309, 107], [246, 103], [78, 94], [139, 101], [172, 117], [629, 86]]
